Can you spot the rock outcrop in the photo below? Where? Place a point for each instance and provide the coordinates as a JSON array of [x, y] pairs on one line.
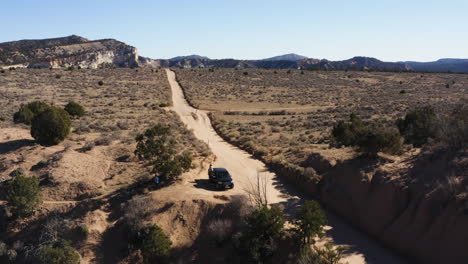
[[68, 51]]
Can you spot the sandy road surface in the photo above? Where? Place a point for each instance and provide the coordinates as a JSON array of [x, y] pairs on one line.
[[244, 170], [239, 163]]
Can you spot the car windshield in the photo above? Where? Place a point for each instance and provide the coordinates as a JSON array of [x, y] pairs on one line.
[[223, 175]]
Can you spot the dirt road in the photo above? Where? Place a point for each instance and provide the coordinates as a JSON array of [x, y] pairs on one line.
[[239, 163], [244, 170]]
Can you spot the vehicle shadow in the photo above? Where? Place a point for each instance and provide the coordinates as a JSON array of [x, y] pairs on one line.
[[205, 184]]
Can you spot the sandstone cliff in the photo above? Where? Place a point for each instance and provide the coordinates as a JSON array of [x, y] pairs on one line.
[[68, 51]]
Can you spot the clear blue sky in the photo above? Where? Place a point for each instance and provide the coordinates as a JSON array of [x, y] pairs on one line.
[[389, 30]]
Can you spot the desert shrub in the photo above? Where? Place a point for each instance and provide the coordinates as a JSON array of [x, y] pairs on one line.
[[135, 212], [310, 173], [51, 127], [103, 141], [165, 104], [38, 107], [220, 229], [87, 147], [155, 246], [123, 125], [157, 147], [453, 131], [74, 109], [310, 220], [28, 112], [264, 227], [24, 115], [58, 253], [7, 255], [23, 194], [418, 126], [100, 83], [83, 229], [369, 138], [58, 76], [326, 254], [374, 140], [347, 133], [330, 254], [307, 256]]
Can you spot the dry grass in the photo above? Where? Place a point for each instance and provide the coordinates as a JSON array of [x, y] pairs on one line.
[[126, 104], [87, 176], [281, 115]]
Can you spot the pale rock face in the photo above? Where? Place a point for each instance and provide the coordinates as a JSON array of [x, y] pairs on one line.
[[94, 60], [68, 51]]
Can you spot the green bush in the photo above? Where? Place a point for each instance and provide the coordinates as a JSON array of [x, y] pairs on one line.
[[58, 253], [453, 131], [155, 246], [264, 227], [165, 104], [156, 146], [369, 138], [310, 222], [100, 83], [374, 140], [23, 195], [74, 109], [347, 133], [418, 126], [7, 255], [24, 115], [51, 127], [28, 112]]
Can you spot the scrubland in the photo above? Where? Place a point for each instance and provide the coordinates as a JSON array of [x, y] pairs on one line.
[[326, 132], [85, 179], [289, 114]]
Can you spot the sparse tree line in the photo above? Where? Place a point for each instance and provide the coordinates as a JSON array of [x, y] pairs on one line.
[[418, 127], [49, 124]]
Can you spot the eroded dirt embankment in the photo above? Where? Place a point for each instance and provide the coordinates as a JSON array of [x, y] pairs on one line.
[[428, 227]]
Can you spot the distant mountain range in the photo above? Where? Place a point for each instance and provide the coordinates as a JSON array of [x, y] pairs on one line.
[[442, 65], [190, 57], [287, 57], [78, 51], [286, 62]]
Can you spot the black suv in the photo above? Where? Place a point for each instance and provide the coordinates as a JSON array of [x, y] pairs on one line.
[[221, 178]]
